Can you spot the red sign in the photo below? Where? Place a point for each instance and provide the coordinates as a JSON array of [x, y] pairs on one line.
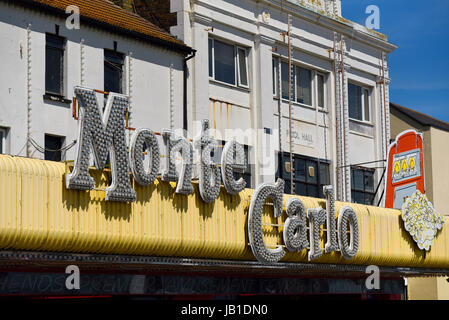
[[405, 168]]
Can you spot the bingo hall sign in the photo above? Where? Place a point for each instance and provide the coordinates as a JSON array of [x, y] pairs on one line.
[[103, 133]]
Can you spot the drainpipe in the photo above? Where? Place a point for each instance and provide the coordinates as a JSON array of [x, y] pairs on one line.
[[185, 70]]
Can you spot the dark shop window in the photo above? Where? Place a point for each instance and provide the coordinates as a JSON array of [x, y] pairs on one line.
[[54, 64], [113, 71], [362, 185], [53, 145], [309, 175]]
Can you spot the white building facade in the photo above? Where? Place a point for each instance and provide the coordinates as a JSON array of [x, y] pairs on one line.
[[36, 93], [339, 110]]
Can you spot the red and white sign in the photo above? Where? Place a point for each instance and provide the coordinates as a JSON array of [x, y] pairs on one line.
[[405, 168]]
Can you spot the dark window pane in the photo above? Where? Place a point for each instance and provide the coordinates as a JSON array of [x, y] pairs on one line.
[[369, 199], [320, 85], [358, 197], [55, 41], [300, 170], [243, 76], [284, 82], [311, 171], [224, 62], [54, 64], [287, 187], [301, 189], [324, 174], [312, 191], [211, 74], [1, 142], [357, 178], [304, 86], [366, 97], [53, 145], [113, 71], [320, 192], [355, 102], [275, 75], [247, 177], [369, 181]]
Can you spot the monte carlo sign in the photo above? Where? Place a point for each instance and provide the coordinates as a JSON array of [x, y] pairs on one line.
[[103, 134]]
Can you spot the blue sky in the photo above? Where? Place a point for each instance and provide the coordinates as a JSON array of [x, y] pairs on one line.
[[419, 68]]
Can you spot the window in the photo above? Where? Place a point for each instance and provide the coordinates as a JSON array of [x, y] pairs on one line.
[[54, 64], [2, 141], [275, 73], [359, 108], [228, 63], [53, 145], [320, 90], [309, 175], [284, 81], [362, 185], [113, 71], [302, 84]]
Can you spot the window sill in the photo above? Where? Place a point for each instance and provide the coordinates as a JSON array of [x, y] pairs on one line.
[[231, 86], [299, 104], [56, 98], [366, 123]]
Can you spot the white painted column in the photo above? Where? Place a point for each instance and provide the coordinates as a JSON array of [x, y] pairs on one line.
[[200, 107], [347, 169], [265, 168]]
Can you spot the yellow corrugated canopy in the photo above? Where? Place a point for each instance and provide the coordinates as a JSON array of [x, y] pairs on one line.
[[37, 212]]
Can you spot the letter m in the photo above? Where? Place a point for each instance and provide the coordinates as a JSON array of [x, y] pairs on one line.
[[104, 134]]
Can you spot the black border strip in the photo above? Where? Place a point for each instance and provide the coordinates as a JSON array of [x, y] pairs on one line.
[[14, 258]]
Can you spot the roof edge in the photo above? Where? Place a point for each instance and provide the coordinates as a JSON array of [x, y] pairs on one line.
[[180, 48], [440, 124]]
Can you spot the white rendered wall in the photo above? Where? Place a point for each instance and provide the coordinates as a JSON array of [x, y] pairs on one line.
[[148, 81], [257, 25]]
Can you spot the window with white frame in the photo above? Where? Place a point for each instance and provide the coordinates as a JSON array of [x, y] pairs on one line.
[[359, 102], [275, 75], [228, 63], [2, 140], [308, 86], [54, 64], [321, 94]]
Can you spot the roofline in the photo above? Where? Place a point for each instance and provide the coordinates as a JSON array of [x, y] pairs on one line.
[[342, 25], [398, 108], [180, 48]]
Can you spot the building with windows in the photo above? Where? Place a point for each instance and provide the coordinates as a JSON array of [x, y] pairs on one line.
[[316, 116], [339, 115], [435, 135], [48, 58]]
